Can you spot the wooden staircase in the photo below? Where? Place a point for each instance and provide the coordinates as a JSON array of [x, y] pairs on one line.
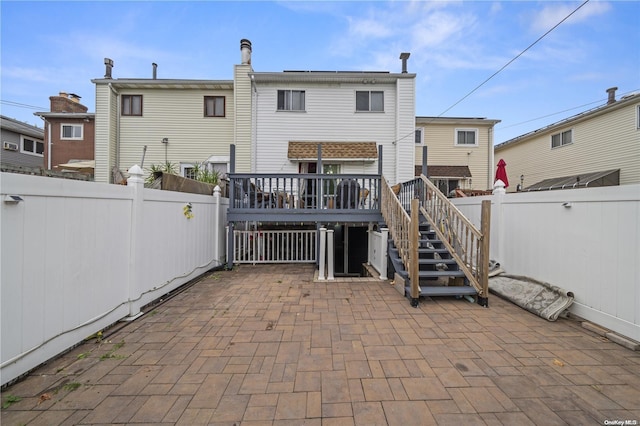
[[433, 248], [438, 272]]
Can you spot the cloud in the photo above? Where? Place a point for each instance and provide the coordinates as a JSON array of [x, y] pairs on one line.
[[552, 13]]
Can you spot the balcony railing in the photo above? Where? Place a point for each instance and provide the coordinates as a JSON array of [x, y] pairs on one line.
[[304, 197]]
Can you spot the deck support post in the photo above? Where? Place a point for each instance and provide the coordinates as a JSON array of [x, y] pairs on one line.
[[330, 255], [483, 265], [322, 253]]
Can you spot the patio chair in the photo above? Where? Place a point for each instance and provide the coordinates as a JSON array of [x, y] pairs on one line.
[[347, 194]]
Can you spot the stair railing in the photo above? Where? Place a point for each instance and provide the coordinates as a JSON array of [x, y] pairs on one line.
[[403, 232], [468, 245]]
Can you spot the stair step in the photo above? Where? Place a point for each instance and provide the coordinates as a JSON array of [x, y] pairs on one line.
[[436, 261], [436, 274], [445, 290]]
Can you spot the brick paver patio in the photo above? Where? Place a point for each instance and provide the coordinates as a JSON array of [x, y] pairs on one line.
[[265, 345]]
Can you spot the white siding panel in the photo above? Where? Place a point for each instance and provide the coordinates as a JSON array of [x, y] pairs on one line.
[[179, 116], [608, 141], [329, 116]]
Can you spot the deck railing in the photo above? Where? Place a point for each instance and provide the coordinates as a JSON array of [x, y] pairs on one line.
[[468, 245], [276, 246], [304, 198]]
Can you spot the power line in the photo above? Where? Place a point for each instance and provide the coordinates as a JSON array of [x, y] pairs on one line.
[[19, 105], [516, 57], [599, 101]]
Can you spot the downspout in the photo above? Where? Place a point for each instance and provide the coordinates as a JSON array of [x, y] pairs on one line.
[[48, 125], [490, 171], [117, 162]]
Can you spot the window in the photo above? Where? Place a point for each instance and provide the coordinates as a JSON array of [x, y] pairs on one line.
[[131, 104], [466, 137], [291, 100], [189, 171], [71, 131], [369, 101], [32, 146], [561, 139], [214, 106], [418, 136]]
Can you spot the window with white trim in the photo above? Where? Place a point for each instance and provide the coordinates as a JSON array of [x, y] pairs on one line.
[[419, 137], [562, 138], [466, 137], [31, 146], [369, 100], [291, 100], [71, 131], [188, 170]]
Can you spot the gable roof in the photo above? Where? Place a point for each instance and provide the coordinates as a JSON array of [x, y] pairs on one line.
[[19, 127], [333, 150]]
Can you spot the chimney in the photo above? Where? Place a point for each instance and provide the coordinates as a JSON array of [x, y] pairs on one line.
[[75, 98], [404, 56], [245, 52], [612, 95], [62, 94], [155, 70], [108, 65], [67, 102]]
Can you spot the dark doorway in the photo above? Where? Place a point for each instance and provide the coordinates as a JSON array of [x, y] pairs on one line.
[[351, 250]]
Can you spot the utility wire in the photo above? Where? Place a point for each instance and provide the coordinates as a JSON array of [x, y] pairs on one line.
[[516, 57], [18, 104]]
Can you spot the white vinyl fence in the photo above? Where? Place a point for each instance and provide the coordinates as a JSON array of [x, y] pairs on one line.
[[80, 256], [584, 240]]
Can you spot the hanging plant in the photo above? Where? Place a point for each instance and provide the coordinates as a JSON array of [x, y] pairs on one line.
[[187, 211]]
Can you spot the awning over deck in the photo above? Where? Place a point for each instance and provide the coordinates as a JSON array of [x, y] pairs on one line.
[[445, 172], [345, 151], [585, 180]]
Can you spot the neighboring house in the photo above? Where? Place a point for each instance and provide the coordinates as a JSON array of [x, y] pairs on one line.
[[182, 122], [459, 151], [351, 114], [22, 144], [598, 147], [68, 132]]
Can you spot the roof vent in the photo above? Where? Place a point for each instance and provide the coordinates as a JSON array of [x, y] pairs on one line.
[[108, 65], [404, 56], [612, 95]]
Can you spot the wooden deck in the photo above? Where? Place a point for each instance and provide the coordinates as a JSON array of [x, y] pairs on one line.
[[304, 198]]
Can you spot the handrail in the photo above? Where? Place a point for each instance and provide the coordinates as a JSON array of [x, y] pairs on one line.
[[468, 245], [399, 224]]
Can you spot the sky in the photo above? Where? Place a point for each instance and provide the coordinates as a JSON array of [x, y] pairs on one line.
[[456, 50]]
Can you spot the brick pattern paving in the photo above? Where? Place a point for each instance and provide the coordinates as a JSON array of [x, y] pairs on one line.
[[265, 345]]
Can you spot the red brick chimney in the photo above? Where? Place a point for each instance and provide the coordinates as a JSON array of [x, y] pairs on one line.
[[65, 102]]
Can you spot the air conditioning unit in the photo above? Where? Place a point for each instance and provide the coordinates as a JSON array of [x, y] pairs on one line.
[[11, 146]]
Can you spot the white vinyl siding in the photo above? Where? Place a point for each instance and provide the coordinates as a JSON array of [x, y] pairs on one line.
[[438, 137], [177, 116], [329, 117], [607, 141]]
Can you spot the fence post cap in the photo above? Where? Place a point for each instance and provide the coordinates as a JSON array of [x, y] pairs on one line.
[[498, 187]]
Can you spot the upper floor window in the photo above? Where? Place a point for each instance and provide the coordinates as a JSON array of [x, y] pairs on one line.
[[466, 137], [71, 131], [214, 106], [418, 136], [369, 101], [291, 100], [131, 104], [561, 139], [32, 146]]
